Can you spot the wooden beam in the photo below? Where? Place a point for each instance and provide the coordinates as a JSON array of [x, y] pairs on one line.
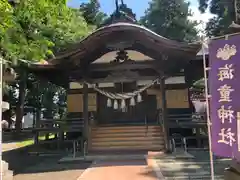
[[120, 79], [21, 100], [147, 64], [109, 67], [85, 111]]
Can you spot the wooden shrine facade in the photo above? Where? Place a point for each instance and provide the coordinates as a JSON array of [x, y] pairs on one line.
[[122, 57]]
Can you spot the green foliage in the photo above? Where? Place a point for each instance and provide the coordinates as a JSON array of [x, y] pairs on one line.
[[169, 18], [6, 22], [224, 11], [47, 96], [6, 15], [35, 30], [91, 13]]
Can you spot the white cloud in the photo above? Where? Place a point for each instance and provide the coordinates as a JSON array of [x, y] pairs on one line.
[[198, 16]]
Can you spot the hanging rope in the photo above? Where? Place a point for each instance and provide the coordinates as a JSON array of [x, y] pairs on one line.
[[119, 96]]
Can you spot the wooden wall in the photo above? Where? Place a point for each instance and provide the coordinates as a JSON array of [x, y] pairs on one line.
[[75, 102], [176, 98]]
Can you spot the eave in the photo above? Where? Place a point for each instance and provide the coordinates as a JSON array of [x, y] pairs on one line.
[[168, 56], [142, 39]]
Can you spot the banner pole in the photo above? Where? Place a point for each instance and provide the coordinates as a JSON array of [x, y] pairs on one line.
[[208, 111], [1, 106]]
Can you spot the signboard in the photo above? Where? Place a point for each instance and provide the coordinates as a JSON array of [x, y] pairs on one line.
[[224, 87]]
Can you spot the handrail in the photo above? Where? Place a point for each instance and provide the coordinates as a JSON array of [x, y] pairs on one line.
[[85, 148], [146, 124], [160, 118], [184, 144], [174, 145], [186, 117], [76, 145], [181, 115], [74, 148]]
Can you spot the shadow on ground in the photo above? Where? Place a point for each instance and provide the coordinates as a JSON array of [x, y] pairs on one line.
[[21, 161], [197, 168], [34, 167]]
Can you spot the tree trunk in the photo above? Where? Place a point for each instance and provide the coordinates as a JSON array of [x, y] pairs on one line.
[[20, 104]]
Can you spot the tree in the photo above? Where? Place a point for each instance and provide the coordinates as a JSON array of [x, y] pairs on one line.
[[91, 13], [36, 30], [47, 96], [169, 18], [41, 28], [224, 11]]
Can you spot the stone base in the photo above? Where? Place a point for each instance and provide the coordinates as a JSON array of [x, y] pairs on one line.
[[233, 172], [5, 106], [7, 174]]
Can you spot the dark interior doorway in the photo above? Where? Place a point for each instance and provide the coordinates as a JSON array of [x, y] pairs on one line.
[[141, 113]]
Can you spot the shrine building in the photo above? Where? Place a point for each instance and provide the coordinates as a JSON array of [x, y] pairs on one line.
[[128, 85]]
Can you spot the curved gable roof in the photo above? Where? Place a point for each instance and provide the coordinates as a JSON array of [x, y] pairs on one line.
[[98, 40]]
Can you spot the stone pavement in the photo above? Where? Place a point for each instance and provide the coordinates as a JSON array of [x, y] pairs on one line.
[[31, 167], [190, 169], [118, 170], [52, 170]]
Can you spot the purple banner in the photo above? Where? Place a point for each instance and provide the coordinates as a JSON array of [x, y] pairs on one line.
[[224, 87]]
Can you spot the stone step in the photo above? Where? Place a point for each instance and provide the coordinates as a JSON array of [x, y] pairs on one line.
[[195, 177], [128, 147], [126, 138], [123, 131], [126, 134], [190, 169], [8, 175], [125, 127], [5, 166]]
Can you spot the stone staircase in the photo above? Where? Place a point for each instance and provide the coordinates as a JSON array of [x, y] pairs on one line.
[[121, 138]]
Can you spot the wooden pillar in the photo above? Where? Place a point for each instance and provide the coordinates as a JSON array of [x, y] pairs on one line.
[[37, 125], [85, 111], [198, 134], [38, 114], [20, 103], [164, 114]]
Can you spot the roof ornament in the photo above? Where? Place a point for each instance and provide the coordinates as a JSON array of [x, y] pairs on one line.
[[122, 56], [121, 14], [117, 5]]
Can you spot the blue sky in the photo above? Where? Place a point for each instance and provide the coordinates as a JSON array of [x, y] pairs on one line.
[[138, 6]]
